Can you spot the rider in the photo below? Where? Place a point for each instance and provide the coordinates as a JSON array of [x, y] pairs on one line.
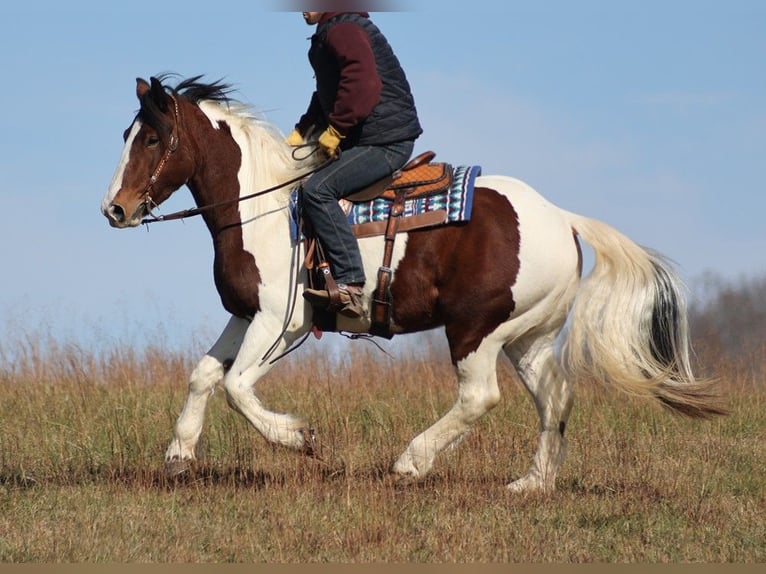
[[363, 108]]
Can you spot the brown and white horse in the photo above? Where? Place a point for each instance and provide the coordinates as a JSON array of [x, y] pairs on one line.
[[505, 281]]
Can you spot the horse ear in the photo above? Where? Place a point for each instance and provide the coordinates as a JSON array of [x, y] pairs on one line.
[[159, 95], [142, 87]]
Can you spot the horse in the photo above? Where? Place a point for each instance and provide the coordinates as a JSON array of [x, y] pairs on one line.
[[507, 280]]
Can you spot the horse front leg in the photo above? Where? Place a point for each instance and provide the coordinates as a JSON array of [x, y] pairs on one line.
[[202, 382], [239, 382]]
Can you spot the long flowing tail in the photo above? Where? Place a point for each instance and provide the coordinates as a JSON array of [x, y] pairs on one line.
[[629, 327]]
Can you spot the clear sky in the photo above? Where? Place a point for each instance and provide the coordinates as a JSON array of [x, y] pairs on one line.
[[648, 115]]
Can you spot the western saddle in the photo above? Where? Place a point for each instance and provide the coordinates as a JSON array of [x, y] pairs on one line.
[[420, 177]]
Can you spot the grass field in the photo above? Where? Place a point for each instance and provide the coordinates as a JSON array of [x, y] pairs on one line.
[[82, 438]]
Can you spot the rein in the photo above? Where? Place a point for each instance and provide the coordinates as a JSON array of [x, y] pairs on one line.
[[184, 213]]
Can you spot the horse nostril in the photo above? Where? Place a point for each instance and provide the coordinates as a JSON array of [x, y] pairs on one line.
[[116, 213]]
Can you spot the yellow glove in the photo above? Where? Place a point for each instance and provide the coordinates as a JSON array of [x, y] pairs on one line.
[[329, 141], [295, 138]]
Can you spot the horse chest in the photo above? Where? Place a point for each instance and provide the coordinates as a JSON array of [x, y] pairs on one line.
[[237, 277]]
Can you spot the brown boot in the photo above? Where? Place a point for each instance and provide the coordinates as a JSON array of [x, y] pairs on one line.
[[351, 298]]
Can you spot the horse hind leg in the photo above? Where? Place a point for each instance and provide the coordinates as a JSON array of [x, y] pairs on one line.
[[478, 393], [539, 371]]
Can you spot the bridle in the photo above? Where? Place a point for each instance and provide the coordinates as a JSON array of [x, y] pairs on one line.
[[148, 202]]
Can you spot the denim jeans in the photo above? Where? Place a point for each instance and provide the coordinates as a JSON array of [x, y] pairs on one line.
[[356, 168]]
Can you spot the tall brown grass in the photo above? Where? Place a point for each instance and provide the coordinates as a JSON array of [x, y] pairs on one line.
[[83, 433]]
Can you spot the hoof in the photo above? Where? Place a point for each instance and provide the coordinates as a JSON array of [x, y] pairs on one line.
[[407, 472], [405, 480], [176, 467], [531, 483], [404, 472], [311, 446]]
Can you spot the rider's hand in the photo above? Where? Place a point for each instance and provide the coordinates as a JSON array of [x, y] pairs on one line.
[[329, 141], [295, 138]]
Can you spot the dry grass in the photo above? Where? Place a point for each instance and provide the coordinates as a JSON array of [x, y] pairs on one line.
[[82, 438]]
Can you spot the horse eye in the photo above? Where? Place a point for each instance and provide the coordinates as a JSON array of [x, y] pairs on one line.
[[152, 141]]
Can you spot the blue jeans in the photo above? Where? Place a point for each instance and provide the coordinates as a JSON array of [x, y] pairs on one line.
[[356, 168]]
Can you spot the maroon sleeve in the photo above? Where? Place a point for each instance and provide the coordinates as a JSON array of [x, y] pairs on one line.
[[360, 86], [313, 116]]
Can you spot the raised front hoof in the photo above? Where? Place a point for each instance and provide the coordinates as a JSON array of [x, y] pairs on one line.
[[176, 468]]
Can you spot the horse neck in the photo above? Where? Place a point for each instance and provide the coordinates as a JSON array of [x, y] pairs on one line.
[[239, 155]]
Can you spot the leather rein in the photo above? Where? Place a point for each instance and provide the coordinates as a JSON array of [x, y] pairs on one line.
[[184, 213]]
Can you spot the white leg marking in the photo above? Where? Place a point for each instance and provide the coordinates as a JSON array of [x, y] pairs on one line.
[[279, 428], [202, 382], [539, 371], [477, 394]]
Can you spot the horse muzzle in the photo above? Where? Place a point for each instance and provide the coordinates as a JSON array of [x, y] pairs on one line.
[[117, 215]]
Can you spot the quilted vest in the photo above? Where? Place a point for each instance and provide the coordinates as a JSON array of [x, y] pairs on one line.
[[395, 117]]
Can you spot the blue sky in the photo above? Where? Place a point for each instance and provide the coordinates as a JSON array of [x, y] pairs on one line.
[[648, 115]]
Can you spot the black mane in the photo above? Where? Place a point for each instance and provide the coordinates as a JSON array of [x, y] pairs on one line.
[[196, 91], [191, 89]]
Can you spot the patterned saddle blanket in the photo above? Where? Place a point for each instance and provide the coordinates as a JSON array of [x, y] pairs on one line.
[[369, 217]]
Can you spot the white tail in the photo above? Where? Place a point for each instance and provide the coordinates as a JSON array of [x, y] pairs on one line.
[[629, 326]]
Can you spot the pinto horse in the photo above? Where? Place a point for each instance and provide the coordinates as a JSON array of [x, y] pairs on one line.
[[507, 280]]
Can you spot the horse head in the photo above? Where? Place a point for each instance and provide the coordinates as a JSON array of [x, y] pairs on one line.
[[154, 162]]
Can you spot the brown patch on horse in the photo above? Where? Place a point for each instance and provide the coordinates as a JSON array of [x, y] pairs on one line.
[[235, 272], [461, 275], [207, 161], [236, 275]]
